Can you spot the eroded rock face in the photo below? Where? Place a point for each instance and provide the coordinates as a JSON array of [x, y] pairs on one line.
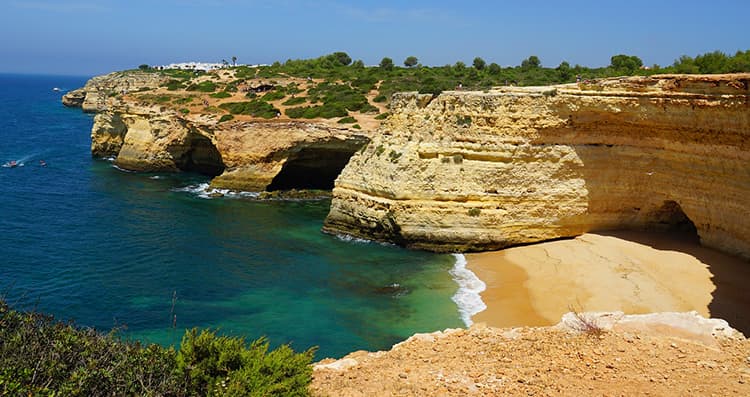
[[249, 156], [99, 92], [476, 171]]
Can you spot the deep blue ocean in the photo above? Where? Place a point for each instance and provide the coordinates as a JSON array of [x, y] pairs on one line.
[[86, 242]]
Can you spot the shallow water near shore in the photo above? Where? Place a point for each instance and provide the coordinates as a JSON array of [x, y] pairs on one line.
[[84, 241]]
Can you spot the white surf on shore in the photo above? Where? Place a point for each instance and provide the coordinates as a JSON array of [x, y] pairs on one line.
[[204, 191], [467, 297]]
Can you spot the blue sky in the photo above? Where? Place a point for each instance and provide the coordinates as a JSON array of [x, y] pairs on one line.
[[86, 37]]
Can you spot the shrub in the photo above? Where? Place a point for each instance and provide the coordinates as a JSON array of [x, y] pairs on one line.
[[173, 85], [357, 126], [382, 116], [255, 108], [205, 86], [463, 121], [184, 110], [380, 98], [312, 112], [162, 99], [226, 117], [273, 95], [220, 94], [294, 101], [474, 211], [347, 120], [220, 365], [394, 156], [39, 356], [182, 101]]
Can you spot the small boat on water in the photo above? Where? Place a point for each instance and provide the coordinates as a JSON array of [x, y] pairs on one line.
[[42, 163], [56, 89], [11, 164]]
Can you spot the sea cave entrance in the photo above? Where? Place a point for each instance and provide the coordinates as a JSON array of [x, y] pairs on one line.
[[201, 156], [670, 217], [312, 168]]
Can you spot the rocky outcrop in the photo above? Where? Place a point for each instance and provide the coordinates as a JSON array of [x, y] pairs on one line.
[[668, 354], [243, 155], [74, 98], [485, 170], [96, 94]]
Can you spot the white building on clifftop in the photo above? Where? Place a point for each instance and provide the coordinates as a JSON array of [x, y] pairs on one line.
[[204, 66]]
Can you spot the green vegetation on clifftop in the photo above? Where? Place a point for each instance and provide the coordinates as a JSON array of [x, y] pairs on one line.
[[42, 357]]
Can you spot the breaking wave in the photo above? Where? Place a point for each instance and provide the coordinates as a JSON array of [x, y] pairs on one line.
[[467, 297]]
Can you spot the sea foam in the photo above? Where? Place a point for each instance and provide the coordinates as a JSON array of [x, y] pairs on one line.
[[469, 287], [203, 190]]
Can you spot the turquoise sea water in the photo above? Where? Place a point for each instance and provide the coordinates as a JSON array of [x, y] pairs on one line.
[[84, 241]]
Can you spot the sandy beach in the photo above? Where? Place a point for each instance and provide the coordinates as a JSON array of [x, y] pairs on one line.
[[633, 272]]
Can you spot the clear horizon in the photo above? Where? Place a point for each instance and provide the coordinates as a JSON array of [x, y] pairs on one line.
[[86, 37]]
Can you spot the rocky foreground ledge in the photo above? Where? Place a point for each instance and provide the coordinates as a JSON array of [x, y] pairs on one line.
[[663, 354]]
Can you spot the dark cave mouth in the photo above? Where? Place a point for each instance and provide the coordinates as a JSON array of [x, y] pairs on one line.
[[202, 157], [671, 218], [311, 169]]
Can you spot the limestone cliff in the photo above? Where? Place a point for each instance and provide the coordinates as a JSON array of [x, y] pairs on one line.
[[243, 155], [94, 96], [485, 170]]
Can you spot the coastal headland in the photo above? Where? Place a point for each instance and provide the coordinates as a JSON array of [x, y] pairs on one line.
[[483, 170]]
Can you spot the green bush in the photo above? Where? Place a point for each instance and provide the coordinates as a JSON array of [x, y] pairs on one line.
[[220, 95], [174, 85], [474, 211], [255, 108], [382, 116], [380, 98], [347, 120], [39, 356], [357, 126], [313, 112], [273, 95], [184, 110], [220, 365], [463, 121], [205, 86], [294, 101], [226, 117], [182, 101]]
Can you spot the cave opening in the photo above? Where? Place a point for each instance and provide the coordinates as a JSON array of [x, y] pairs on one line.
[[311, 168], [670, 217], [202, 157]]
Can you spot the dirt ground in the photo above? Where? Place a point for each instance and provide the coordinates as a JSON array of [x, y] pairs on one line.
[[485, 361]]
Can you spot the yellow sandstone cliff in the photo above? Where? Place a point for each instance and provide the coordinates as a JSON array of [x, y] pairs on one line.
[[249, 155], [484, 170]]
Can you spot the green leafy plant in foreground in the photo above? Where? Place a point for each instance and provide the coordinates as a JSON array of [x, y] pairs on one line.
[[42, 357]]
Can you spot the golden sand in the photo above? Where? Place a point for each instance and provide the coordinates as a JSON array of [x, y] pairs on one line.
[[626, 271]]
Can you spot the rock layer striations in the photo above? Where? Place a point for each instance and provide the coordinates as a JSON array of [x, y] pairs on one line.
[[485, 170], [249, 155]]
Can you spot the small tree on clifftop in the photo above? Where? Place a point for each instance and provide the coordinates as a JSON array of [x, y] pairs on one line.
[[410, 61], [479, 63], [386, 63]]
